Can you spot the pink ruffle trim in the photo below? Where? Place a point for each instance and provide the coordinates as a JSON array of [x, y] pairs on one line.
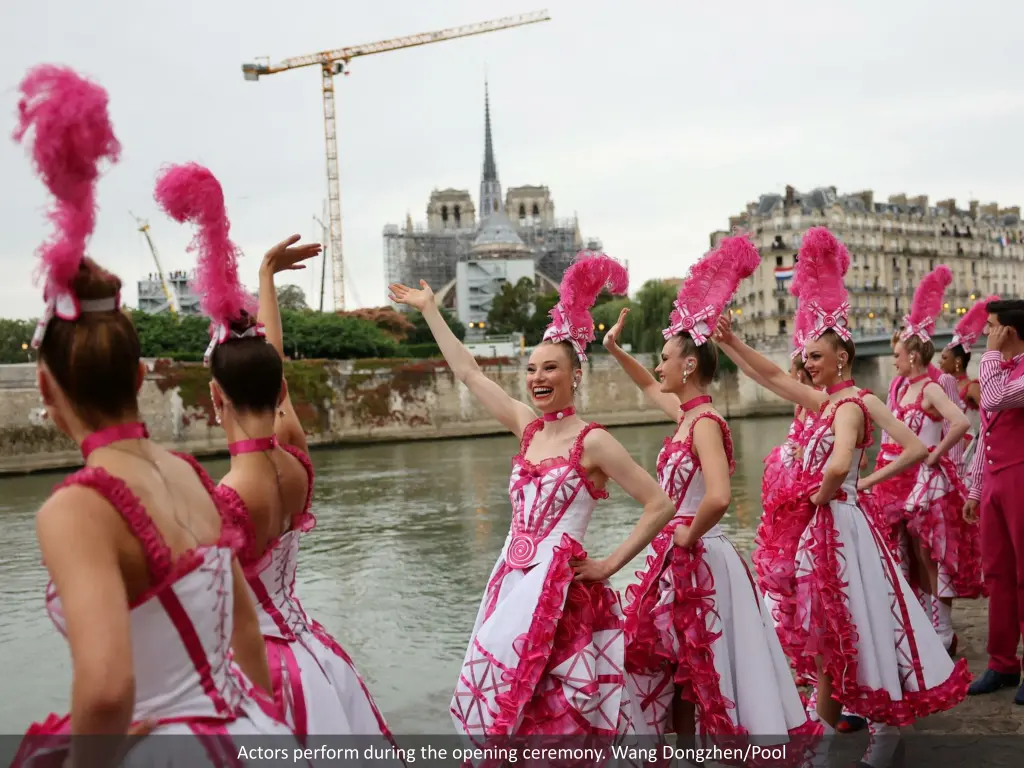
[[836, 637]]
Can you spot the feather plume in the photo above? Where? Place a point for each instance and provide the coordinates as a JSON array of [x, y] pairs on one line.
[[927, 303], [973, 322], [580, 286], [713, 280], [802, 324], [73, 133], [820, 270], [190, 192]]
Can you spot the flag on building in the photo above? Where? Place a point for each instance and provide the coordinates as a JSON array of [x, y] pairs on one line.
[[783, 273]]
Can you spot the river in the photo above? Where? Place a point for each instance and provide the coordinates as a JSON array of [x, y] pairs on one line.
[[406, 537]]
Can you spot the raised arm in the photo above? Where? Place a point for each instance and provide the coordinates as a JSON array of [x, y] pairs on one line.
[[914, 451], [666, 401], [709, 446], [513, 414], [608, 455], [77, 530], [935, 397], [284, 256], [767, 373]]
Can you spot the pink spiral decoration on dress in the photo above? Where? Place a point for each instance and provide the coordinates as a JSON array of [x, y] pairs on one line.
[[521, 551]]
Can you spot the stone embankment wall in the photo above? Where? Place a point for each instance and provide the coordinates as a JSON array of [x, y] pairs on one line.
[[354, 401]]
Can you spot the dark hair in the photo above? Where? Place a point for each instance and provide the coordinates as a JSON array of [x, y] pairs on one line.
[[95, 359], [838, 343], [1009, 312], [248, 370], [914, 346], [962, 353], [706, 354]]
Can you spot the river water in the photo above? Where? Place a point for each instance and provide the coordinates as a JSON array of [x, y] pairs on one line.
[[406, 537]]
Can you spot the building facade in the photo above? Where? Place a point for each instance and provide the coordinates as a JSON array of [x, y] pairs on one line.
[[153, 299], [892, 246], [467, 252]]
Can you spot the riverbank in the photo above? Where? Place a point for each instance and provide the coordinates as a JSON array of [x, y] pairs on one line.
[[356, 402]]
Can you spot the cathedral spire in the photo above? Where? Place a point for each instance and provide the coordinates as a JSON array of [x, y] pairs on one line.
[[490, 187]]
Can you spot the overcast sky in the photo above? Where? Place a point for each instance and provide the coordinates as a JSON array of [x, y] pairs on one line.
[[652, 121]]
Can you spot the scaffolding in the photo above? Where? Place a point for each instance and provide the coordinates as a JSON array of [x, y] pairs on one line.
[[415, 253]]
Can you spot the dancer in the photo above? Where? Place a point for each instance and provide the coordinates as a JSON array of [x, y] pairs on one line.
[[144, 582], [269, 487], [546, 653], [920, 513], [869, 642], [954, 361], [996, 480], [698, 636]]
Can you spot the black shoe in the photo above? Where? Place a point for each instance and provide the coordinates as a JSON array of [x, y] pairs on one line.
[[1019, 698], [992, 681]]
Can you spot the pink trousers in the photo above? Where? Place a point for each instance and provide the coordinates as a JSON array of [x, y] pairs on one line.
[[1002, 552]]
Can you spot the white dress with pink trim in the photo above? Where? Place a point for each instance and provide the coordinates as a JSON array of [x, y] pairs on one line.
[[854, 606], [185, 679], [546, 653], [696, 622], [316, 685]]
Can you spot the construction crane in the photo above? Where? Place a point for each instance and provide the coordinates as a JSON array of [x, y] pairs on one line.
[[334, 62], [172, 304]]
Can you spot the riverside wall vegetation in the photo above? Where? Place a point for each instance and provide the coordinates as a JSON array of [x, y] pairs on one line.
[[356, 401]]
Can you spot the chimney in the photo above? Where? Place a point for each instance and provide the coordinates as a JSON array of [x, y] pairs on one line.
[[790, 196], [868, 197], [921, 201], [949, 205], [736, 221], [992, 209], [1015, 210], [974, 209], [900, 199]]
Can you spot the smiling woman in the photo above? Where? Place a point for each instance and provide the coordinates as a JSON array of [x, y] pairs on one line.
[[546, 603]]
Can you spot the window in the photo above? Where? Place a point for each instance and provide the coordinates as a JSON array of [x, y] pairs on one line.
[[522, 211], [778, 261], [782, 327], [458, 216], [536, 211], [444, 214]]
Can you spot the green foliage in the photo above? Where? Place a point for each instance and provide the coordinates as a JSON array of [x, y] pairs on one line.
[[291, 297], [650, 316], [14, 333], [160, 335], [542, 305], [510, 310], [332, 337], [419, 351], [421, 332]]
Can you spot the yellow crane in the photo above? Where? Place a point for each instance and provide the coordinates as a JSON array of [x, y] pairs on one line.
[[172, 304], [334, 62]]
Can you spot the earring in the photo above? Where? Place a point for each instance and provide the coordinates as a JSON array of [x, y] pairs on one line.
[[840, 370], [686, 375]]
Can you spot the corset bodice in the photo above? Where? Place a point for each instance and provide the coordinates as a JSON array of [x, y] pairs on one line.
[[821, 440], [679, 470], [927, 427], [551, 498], [181, 626]]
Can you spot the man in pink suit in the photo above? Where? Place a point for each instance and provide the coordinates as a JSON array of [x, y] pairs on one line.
[[997, 489]]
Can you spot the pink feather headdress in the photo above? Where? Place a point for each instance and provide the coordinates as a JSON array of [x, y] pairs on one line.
[[927, 304], [190, 192], [73, 134], [967, 331], [581, 283], [818, 283], [801, 327], [709, 287]]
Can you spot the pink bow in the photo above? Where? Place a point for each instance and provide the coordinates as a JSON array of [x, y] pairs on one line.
[[799, 339], [67, 306], [831, 321], [922, 330], [697, 324], [561, 329], [966, 341], [222, 333]]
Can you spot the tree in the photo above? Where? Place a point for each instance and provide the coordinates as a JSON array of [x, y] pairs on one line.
[[291, 297], [14, 333], [542, 305], [512, 308], [420, 334], [393, 323], [645, 324]]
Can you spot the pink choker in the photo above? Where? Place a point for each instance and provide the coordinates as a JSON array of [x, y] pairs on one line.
[[255, 445], [693, 402], [558, 415], [840, 386], [104, 437]]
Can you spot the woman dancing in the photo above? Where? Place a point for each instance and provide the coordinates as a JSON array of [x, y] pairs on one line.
[[547, 652], [698, 636], [269, 487], [919, 513], [954, 361], [868, 640], [144, 582]]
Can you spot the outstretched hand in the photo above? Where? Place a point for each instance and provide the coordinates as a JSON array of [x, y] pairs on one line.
[[286, 255], [723, 329], [588, 569], [416, 298], [611, 339]]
